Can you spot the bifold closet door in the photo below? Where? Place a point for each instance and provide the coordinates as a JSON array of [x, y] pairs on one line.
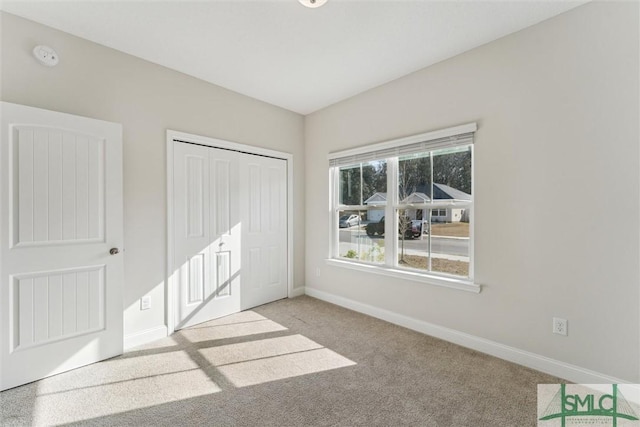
[[230, 214], [207, 233], [263, 213]]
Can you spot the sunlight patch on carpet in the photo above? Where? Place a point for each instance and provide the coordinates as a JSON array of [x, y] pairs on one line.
[[232, 319], [242, 352], [218, 332], [268, 369], [119, 385]]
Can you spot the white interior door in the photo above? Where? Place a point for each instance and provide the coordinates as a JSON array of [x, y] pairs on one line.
[[207, 233], [263, 213], [60, 215], [230, 231]]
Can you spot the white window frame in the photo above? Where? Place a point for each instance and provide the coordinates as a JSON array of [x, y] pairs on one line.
[[390, 268]]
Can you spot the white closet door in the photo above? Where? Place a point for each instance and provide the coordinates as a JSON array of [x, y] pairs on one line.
[[263, 207], [60, 216], [207, 233], [230, 231]]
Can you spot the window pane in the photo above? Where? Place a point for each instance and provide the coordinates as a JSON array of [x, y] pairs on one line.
[[452, 174], [439, 246], [438, 215], [413, 239], [374, 183], [414, 179], [354, 239], [350, 185], [363, 183], [450, 244]]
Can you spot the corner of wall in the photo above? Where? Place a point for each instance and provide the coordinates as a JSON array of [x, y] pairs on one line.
[[144, 337]]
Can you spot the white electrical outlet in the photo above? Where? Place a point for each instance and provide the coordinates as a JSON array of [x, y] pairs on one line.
[[560, 326], [145, 302]]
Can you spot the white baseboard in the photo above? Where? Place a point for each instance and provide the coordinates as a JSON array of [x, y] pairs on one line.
[[544, 364], [296, 292], [144, 337]]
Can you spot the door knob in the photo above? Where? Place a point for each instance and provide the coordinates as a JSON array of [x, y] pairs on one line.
[[114, 251]]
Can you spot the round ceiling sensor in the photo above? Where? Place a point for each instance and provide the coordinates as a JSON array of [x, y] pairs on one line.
[[312, 3], [46, 55]]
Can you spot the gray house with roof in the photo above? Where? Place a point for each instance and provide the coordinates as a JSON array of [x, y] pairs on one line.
[[441, 192]]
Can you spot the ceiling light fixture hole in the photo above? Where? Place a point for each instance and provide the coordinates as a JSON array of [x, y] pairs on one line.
[[312, 3]]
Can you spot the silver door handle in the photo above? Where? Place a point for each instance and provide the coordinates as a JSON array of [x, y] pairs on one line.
[[114, 251]]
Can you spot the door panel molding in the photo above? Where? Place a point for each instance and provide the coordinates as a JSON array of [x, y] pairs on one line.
[[172, 271], [79, 293], [64, 203]]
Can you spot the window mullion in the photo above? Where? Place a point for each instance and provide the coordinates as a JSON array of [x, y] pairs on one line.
[[361, 186], [391, 221], [334, 200], [472, 217], [431, 196]]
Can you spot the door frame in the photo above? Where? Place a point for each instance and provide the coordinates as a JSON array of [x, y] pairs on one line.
[[172, 275]]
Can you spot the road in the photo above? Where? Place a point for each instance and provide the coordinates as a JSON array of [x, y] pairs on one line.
[[439, 245]]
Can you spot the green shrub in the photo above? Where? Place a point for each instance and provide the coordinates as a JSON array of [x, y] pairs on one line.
[[351, 254]]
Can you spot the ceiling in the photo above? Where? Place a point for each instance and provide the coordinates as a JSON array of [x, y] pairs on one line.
[[283, 53]]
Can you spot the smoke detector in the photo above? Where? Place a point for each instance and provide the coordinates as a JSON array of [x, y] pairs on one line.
[[47, 56]]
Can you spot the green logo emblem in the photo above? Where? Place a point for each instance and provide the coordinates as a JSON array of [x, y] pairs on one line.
[[611, 407]]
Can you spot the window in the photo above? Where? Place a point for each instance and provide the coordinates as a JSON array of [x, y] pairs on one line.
[[410, 202], [362, 190], [437, 213], [425, 180]]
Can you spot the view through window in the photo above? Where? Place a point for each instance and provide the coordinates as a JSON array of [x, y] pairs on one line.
[[408, 211]]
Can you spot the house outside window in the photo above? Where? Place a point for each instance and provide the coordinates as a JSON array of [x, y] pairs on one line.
[[414, 199]]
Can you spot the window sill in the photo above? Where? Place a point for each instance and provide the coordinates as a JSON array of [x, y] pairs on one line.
[[459, 284]]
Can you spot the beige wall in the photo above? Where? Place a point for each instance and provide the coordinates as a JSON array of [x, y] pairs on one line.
[[556, 153], [95, 81]]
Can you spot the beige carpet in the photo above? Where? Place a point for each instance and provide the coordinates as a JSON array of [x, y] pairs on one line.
[[298, 362]]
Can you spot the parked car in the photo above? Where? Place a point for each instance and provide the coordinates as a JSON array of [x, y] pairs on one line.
[[419, 227], [374, 228], [348, 221]]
